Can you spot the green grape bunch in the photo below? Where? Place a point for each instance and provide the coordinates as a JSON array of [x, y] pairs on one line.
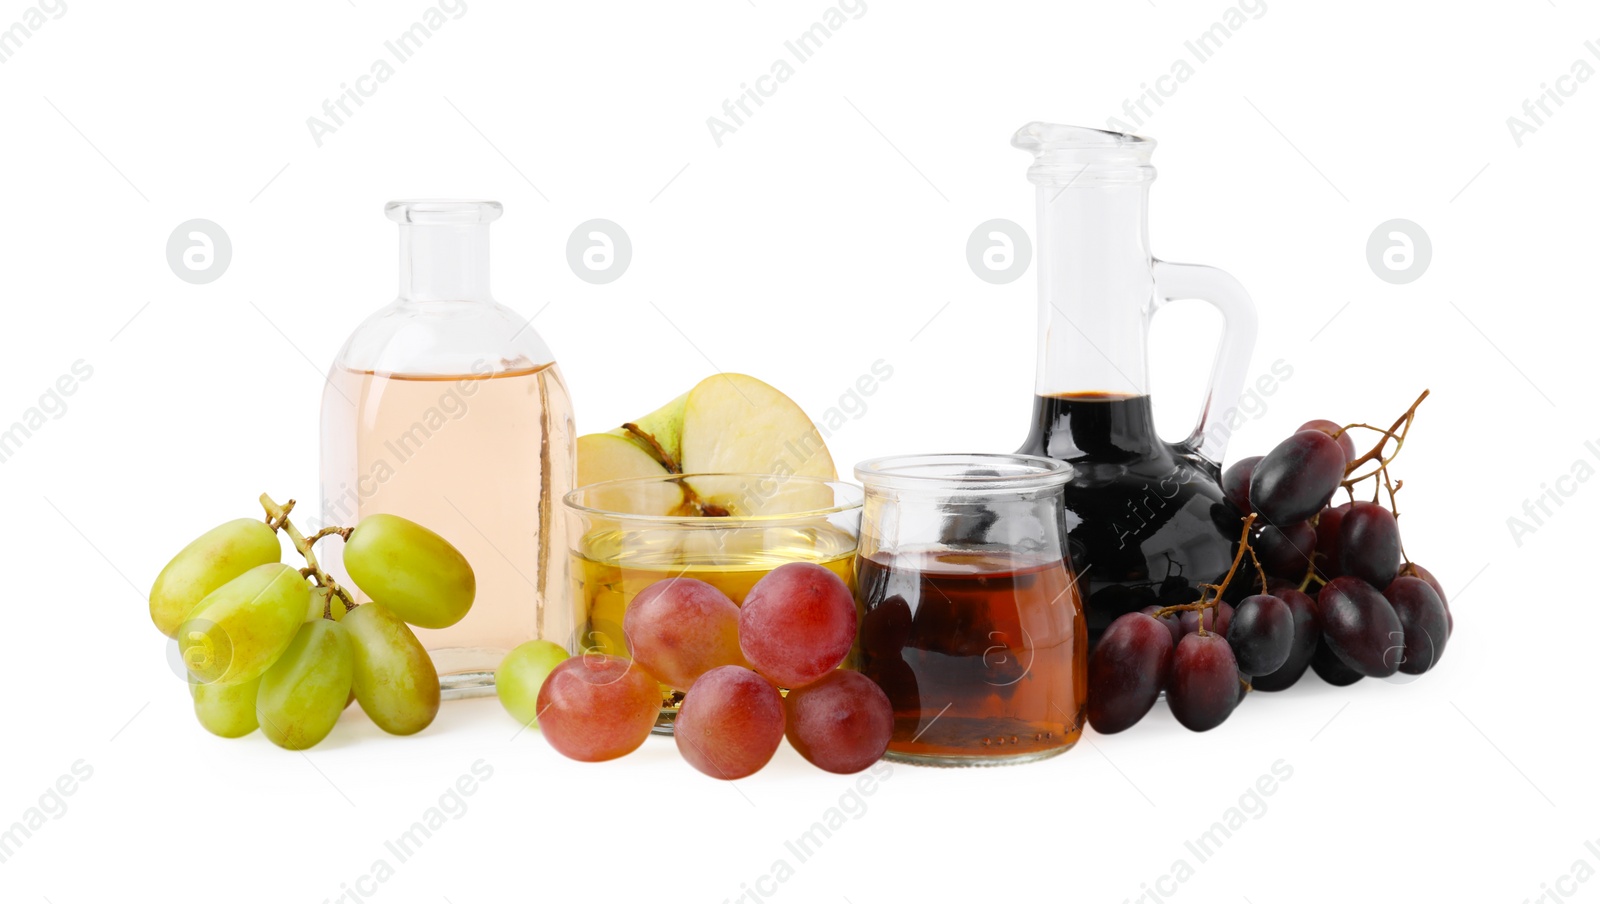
[[266, 645]]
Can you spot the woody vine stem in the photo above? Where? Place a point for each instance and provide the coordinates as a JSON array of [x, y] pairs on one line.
[[278, 519]]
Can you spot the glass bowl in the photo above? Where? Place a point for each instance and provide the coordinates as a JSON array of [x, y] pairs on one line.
[[729, 530]]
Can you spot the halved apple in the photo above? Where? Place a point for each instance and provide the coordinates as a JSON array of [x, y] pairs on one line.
[[616, 455], [737, 424], [727, 424]]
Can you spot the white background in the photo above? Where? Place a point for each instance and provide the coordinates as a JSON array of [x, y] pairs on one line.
[[826, 233]]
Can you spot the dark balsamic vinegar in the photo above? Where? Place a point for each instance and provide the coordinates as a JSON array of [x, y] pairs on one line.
[[1146, 523]]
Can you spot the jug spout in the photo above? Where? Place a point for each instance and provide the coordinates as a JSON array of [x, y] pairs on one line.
[[1073, 155]]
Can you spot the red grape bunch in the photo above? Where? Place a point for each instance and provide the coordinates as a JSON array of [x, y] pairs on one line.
[[1333, 591], [794, 630]]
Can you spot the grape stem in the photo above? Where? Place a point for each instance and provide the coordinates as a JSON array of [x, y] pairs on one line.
[[278, 519], [1397, 432], [1218, 589]]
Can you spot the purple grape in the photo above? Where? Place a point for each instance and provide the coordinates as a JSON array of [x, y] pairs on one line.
[[1285, 550], [1426, 575], [1127, 670], [1369, 544], [1297, 478], [1330, 668], [1302, 646], [1328, 524], [1216, 619], [1361, 627], [1261, 634], [1171, 622], [1422, 618], [1204, 685], [1337, 431], [1236, 482]]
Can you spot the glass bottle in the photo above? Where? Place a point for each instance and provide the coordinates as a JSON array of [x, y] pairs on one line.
[[446, 408], [971, 621], [1147, 519]]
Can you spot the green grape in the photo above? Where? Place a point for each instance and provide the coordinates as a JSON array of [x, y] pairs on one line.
[[522, 673], [395, 681], [304, 692], [413, 571], [242, 627], [227, 712], [214, 558]]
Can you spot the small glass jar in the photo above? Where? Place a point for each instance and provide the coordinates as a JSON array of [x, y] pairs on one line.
[[628, 534], [971, 620]]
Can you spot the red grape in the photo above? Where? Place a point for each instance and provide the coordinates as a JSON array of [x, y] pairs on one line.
[[1297, 478], [730, 723], [1422, 618], [840, 723], [1361, 627], [595, 707], [1369, 544], [1303, 645], [1337, 431], [797, 624], [1261, 634], [1236, 482], [1285, 550], [1204, 686], [680, 628], [1127, 671]]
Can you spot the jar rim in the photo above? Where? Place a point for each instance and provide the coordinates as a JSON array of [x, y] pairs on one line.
[[965, 472]]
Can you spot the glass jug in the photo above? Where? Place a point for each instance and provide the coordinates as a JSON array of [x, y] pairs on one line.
[[1146, 519], [971, 621], [447, 408]]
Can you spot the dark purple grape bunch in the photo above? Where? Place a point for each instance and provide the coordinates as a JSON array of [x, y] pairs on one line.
[[1182, 649], [1316, 602]]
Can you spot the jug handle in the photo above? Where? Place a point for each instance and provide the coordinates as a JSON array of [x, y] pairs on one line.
[[1209, 440]]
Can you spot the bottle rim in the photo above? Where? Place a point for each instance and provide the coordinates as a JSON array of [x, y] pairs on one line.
[[442, 212]]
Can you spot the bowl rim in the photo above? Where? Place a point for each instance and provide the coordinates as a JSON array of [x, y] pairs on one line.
[[853, 494]]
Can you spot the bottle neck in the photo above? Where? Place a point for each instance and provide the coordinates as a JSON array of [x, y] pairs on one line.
[[1095, 288], [444, 262]]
